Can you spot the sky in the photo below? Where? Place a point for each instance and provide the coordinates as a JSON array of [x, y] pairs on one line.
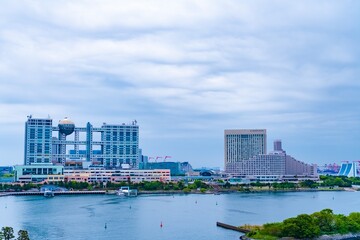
[[186, 71]]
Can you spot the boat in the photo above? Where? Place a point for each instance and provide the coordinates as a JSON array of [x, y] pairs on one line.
[[127, 192], [48, 193]]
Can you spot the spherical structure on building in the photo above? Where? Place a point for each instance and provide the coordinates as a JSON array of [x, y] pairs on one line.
[[66, 126]]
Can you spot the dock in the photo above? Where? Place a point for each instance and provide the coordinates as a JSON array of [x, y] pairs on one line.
[[231, 227]]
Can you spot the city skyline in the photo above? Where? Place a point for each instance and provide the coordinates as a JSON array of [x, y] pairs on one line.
[[186, 71]]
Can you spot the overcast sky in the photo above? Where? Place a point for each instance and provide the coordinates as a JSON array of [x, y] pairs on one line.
[[186, 70]]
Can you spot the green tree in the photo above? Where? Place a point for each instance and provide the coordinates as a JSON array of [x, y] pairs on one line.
[[197, 183], [339, 182], [181, 185], [202, 190], [227, 185], [341, 223], [8, 233], [302, 226], [355, 216], [308, 184], [273, 229], [23, 235], [325, 220]]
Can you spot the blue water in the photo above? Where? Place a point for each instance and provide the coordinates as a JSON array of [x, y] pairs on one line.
[[182, 216]]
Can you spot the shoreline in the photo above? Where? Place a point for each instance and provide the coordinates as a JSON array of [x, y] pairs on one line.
[[348, 236], [171, 192]]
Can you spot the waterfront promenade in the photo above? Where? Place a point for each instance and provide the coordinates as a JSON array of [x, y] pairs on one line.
[[29, 193]]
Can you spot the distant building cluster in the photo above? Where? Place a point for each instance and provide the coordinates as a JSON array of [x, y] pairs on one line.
[[245, 156], [111, 152], [88, 154]]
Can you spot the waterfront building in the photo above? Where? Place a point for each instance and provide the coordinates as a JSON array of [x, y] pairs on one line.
[[111, 145], [241, 145], [176, 168], [93, 175], [348, 169], [6, 174], [6, 170], [263, 167], [39, 173], [295, 167], [206, 171], [56, 173]]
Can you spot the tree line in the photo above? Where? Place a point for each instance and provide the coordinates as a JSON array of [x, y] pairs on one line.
[[325, 181], [306, 226]]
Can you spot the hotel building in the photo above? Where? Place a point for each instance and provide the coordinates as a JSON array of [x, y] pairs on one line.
[[240, 146], [245, 156]]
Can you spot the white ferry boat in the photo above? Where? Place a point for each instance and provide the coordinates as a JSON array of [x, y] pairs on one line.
[[127, 192], [48, 193]]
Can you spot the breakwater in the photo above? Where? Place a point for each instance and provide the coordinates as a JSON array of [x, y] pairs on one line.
[[231, 227]]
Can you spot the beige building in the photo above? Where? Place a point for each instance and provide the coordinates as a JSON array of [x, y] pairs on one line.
[[245, 156], [117, 175], [240, 146]]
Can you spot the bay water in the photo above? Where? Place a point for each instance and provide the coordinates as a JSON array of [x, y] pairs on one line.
[[192, 216]]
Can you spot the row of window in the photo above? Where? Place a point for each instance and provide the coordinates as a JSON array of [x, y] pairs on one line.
[[40, 133], [39, 171]]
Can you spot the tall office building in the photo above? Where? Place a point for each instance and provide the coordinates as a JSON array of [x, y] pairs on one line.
[[38, 134], [241, 145], [120, 144], [114, 146]]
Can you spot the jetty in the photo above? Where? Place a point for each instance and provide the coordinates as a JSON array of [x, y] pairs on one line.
[[231, 227]]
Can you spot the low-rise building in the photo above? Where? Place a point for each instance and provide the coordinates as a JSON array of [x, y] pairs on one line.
[[55, 173], [116, 175], [176, 168], [39, 173]]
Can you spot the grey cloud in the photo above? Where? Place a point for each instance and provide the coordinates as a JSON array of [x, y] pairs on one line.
[[196, 65]]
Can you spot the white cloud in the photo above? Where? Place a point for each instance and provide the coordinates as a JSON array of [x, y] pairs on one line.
[[202, 65]]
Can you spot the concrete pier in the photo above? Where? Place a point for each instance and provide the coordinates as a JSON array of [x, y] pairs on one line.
[[231, 227]]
